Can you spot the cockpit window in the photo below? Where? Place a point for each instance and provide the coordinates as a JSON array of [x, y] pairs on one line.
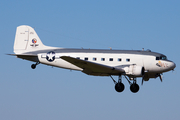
[[161, 58]]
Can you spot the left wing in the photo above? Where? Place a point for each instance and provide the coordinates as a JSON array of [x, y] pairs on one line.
[[92, 68]]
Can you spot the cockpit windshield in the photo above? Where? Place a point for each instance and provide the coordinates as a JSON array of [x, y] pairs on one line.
[[161, 58]]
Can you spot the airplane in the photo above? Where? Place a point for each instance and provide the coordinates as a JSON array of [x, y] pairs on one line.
[[97, 62]]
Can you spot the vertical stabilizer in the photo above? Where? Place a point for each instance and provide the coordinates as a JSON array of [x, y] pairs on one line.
[[21, 38], [27, 40]]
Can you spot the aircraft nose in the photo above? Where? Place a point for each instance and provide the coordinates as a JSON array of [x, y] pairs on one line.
[[172, 65]]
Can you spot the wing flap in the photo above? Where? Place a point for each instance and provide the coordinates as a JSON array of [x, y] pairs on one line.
[[92, 68]]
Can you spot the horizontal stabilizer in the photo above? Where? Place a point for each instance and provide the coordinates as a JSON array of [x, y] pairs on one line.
[[29, 57]]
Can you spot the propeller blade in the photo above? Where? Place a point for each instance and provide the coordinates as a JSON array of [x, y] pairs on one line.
[[143, 73], [160, 76], [142, 79]]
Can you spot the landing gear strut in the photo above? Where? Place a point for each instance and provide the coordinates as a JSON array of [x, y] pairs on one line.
[[134, 87], [119, 86], [33, 66]]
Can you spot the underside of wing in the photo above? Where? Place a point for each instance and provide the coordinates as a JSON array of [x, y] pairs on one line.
[[92, 68]]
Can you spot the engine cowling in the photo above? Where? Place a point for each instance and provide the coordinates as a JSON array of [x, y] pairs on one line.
[[134, 70]]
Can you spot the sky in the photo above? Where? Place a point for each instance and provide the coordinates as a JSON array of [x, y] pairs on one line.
[[50, 93]]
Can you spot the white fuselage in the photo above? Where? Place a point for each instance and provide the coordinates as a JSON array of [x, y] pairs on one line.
[[110, 58]]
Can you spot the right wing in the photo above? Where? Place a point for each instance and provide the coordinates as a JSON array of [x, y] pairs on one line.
[[92, 68]]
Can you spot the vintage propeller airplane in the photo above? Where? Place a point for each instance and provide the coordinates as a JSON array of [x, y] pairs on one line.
[[97, 62]]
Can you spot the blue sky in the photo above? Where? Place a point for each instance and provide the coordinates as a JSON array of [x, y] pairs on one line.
[[53, 93]]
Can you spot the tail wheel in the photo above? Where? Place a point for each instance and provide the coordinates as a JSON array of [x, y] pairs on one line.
[[119, 87], [33, 66]]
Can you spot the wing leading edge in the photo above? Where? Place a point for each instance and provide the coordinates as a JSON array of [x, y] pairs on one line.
[[92, 68]]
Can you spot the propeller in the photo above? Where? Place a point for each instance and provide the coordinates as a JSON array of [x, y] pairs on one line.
[[143, 73], [160, 76], [142, 80]]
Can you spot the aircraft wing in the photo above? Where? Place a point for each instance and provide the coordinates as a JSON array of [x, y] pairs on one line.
[[92, 68]]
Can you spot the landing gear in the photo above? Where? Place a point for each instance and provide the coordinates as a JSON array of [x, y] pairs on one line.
[[119, 86], [134, 88], [33, 66]]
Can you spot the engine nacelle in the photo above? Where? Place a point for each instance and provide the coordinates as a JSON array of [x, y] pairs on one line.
[[134, 70]]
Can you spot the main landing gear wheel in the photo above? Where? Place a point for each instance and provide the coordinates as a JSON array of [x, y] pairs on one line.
[[119, 87], [134, 88]]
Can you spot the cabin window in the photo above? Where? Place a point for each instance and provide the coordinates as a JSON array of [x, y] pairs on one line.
[[110, 59], [127, 60], [86, 58], [78, 58], [102, 59], [119, 59], [157, 58], [94, 59]]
